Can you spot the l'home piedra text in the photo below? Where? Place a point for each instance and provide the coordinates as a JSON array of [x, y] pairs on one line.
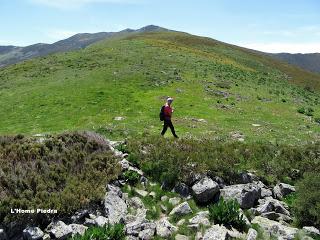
[[32, 211]]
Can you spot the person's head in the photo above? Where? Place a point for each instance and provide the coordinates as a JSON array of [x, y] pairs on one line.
[[169, 100]]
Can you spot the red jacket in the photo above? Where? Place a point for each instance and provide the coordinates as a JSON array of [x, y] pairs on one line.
[[167, 112]]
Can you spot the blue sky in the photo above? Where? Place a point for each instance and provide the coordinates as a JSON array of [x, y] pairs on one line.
[[267, 25]]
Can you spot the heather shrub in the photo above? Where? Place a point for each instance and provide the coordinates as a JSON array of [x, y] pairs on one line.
[[63, 172]]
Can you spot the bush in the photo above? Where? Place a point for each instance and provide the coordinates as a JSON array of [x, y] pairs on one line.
[[131, 176], [307, 205], [227, 213], [112, 232], [170, 161], [63, 172], [317, 120], [301, 110]]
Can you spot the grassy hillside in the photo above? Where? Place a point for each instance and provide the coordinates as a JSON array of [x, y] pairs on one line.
[[308, 61], [232, 89]]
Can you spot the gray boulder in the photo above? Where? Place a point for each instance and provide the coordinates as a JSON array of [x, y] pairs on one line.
[[146, 234], [174, 201], [265, 191], [205, 190], [200, 218], [115, 206], [32, 233], [134, 228], [252, 234], [216, 232], [79, 216], [164, 228], [59, 230], [273, 205], [182, 189], [3, 235], [245, 194], [101, 221], [181, 209], [314, 232], [275, 228], [282, 189]]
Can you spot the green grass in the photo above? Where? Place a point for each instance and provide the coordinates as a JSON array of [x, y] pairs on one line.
[[130, 77], [112, 232]]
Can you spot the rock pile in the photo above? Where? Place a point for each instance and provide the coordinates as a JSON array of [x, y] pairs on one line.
[[271, 214]]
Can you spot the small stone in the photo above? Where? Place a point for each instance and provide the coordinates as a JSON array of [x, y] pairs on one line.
[[59, 230], [101, 221], [78, 229], [118, 118], [89, 222], [164, 228], [152, 194], [32, 233], [181, 237], [181, 209], [312, 231], [147, 234], [141, 193], [282, 189], [216, 232], [201, 218], [164, 198], [252, 234], [181, 222], [174, 201]]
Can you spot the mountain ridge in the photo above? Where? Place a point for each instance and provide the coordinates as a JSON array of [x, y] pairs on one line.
[[14, 54], [308, 61]]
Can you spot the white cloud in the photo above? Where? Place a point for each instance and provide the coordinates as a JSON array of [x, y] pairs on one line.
[[276, 47], [71, 4]]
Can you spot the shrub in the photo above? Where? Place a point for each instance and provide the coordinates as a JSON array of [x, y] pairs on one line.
[[131, 176], [169, 161], [301, 110], [112, 232], [227, 213], [307, 204], [317, 120], [63, 172]]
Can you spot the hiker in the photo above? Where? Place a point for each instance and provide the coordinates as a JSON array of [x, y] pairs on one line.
[[165, 116]]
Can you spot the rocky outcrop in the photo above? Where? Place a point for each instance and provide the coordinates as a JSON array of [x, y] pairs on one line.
[[205, 190], [245, 194], [282, 189], [273, 209], [32, 233], [275, 228], [115, 207]]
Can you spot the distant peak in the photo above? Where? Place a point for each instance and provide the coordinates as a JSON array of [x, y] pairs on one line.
[[151, 28]]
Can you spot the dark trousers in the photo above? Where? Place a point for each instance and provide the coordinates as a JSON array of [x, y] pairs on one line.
[[167, 123]]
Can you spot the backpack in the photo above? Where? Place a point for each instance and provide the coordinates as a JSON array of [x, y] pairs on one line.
[[161, 115]]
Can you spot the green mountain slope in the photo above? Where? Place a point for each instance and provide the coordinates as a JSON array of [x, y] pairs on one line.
[[308, 61], [13, 54], [231, 88]]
